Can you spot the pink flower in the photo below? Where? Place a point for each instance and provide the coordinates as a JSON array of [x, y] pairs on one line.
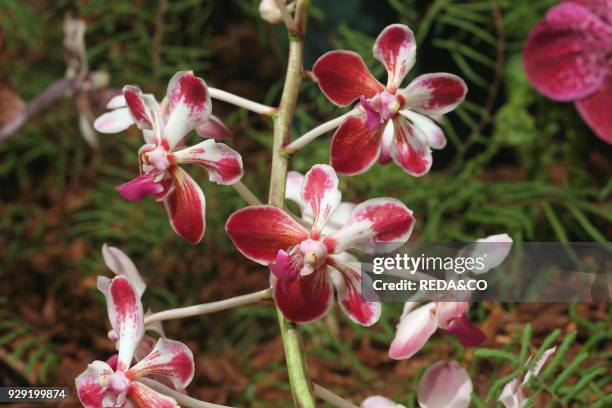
[[189, 107], [568, 57], [305, 263], [443, 385], [359, 141], [512, 395], [102, 386], [416, 327]]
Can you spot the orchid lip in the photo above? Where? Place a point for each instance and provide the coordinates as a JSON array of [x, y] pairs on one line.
[[118, 382], [314, 254]]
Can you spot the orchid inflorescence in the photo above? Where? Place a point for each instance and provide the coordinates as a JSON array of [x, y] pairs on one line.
[[309, 257]]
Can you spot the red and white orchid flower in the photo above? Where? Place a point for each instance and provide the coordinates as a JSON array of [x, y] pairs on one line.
[[189, 105], [102, 386], [417, 325], [403, 112], [443, 385], [512, 395], [305, 263]]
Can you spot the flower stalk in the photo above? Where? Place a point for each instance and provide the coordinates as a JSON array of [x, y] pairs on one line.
[[239, 101], [334, 399], [205, 308], [292, 343]]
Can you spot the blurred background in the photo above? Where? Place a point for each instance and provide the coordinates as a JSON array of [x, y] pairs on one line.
[[516, 162]]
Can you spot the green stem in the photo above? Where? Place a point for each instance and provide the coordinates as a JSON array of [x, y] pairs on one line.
[[301, 387]]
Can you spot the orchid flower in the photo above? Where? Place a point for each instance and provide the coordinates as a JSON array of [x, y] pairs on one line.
[[102, 386], [512, 395], [189, 107], [269, 11], [392, 122], [417, 325], [305, 263], [443, 385], [568, 58]]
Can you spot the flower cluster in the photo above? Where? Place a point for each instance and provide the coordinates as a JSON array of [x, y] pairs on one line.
[[392, 122], [187, 106]]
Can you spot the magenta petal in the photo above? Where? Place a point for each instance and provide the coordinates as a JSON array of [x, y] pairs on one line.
[[223, 164], [186, 206], [565, 55], [260, 231], [434, 94], [445, 385], [170, 359], [595, 110], [467, 332], [343, 77], [284, 270], [446, 312], [118, 262], [139, 187], [91, 384], [408, 150], [321, 194], [396, 48], [307, 298], [373, 117], [603, 8], [144, 397], [214, 128], [354, 149], [126, 317]]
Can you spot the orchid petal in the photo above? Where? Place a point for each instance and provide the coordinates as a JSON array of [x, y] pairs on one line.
[[339, 218], [283, 269], [377, 401], [144, 397], [445, 385], [408, 149], [186, 206], [350, 299], [395, 47], [214, 128], [260, 231], [468, 333], [535, 370], [144, 110], [169, 358], [375, 221], [102, 283], [595, 110], [293, 189], [565, 55], [305, 299], [144, 347], [223, 164], [140, 186], [118, 262], [321, 194], [354, 149], [343, 77], [91, 384], [433, 134], [434, 94], [493, 250], [190, 105], [449, 311], [413, 331], [126, 317], [117, 101], [602, 8], [114, 121]]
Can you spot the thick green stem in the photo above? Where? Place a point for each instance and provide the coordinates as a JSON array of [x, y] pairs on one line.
[[301, 387]]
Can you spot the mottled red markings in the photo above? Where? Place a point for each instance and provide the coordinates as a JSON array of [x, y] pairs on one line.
[[137, 108], [124, 300], [165, 145], [389, 221], [317, 184], [305, 299], [355, 305], [390, 45], [409, 158], [444, 91], [193, 91], [180, 365], [185, 207], [91, 394], [144, 397], [354, 147], [260, 232], [330, 244], [343, 77]]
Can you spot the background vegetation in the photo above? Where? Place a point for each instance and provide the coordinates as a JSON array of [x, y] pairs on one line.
[[516, 163]]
